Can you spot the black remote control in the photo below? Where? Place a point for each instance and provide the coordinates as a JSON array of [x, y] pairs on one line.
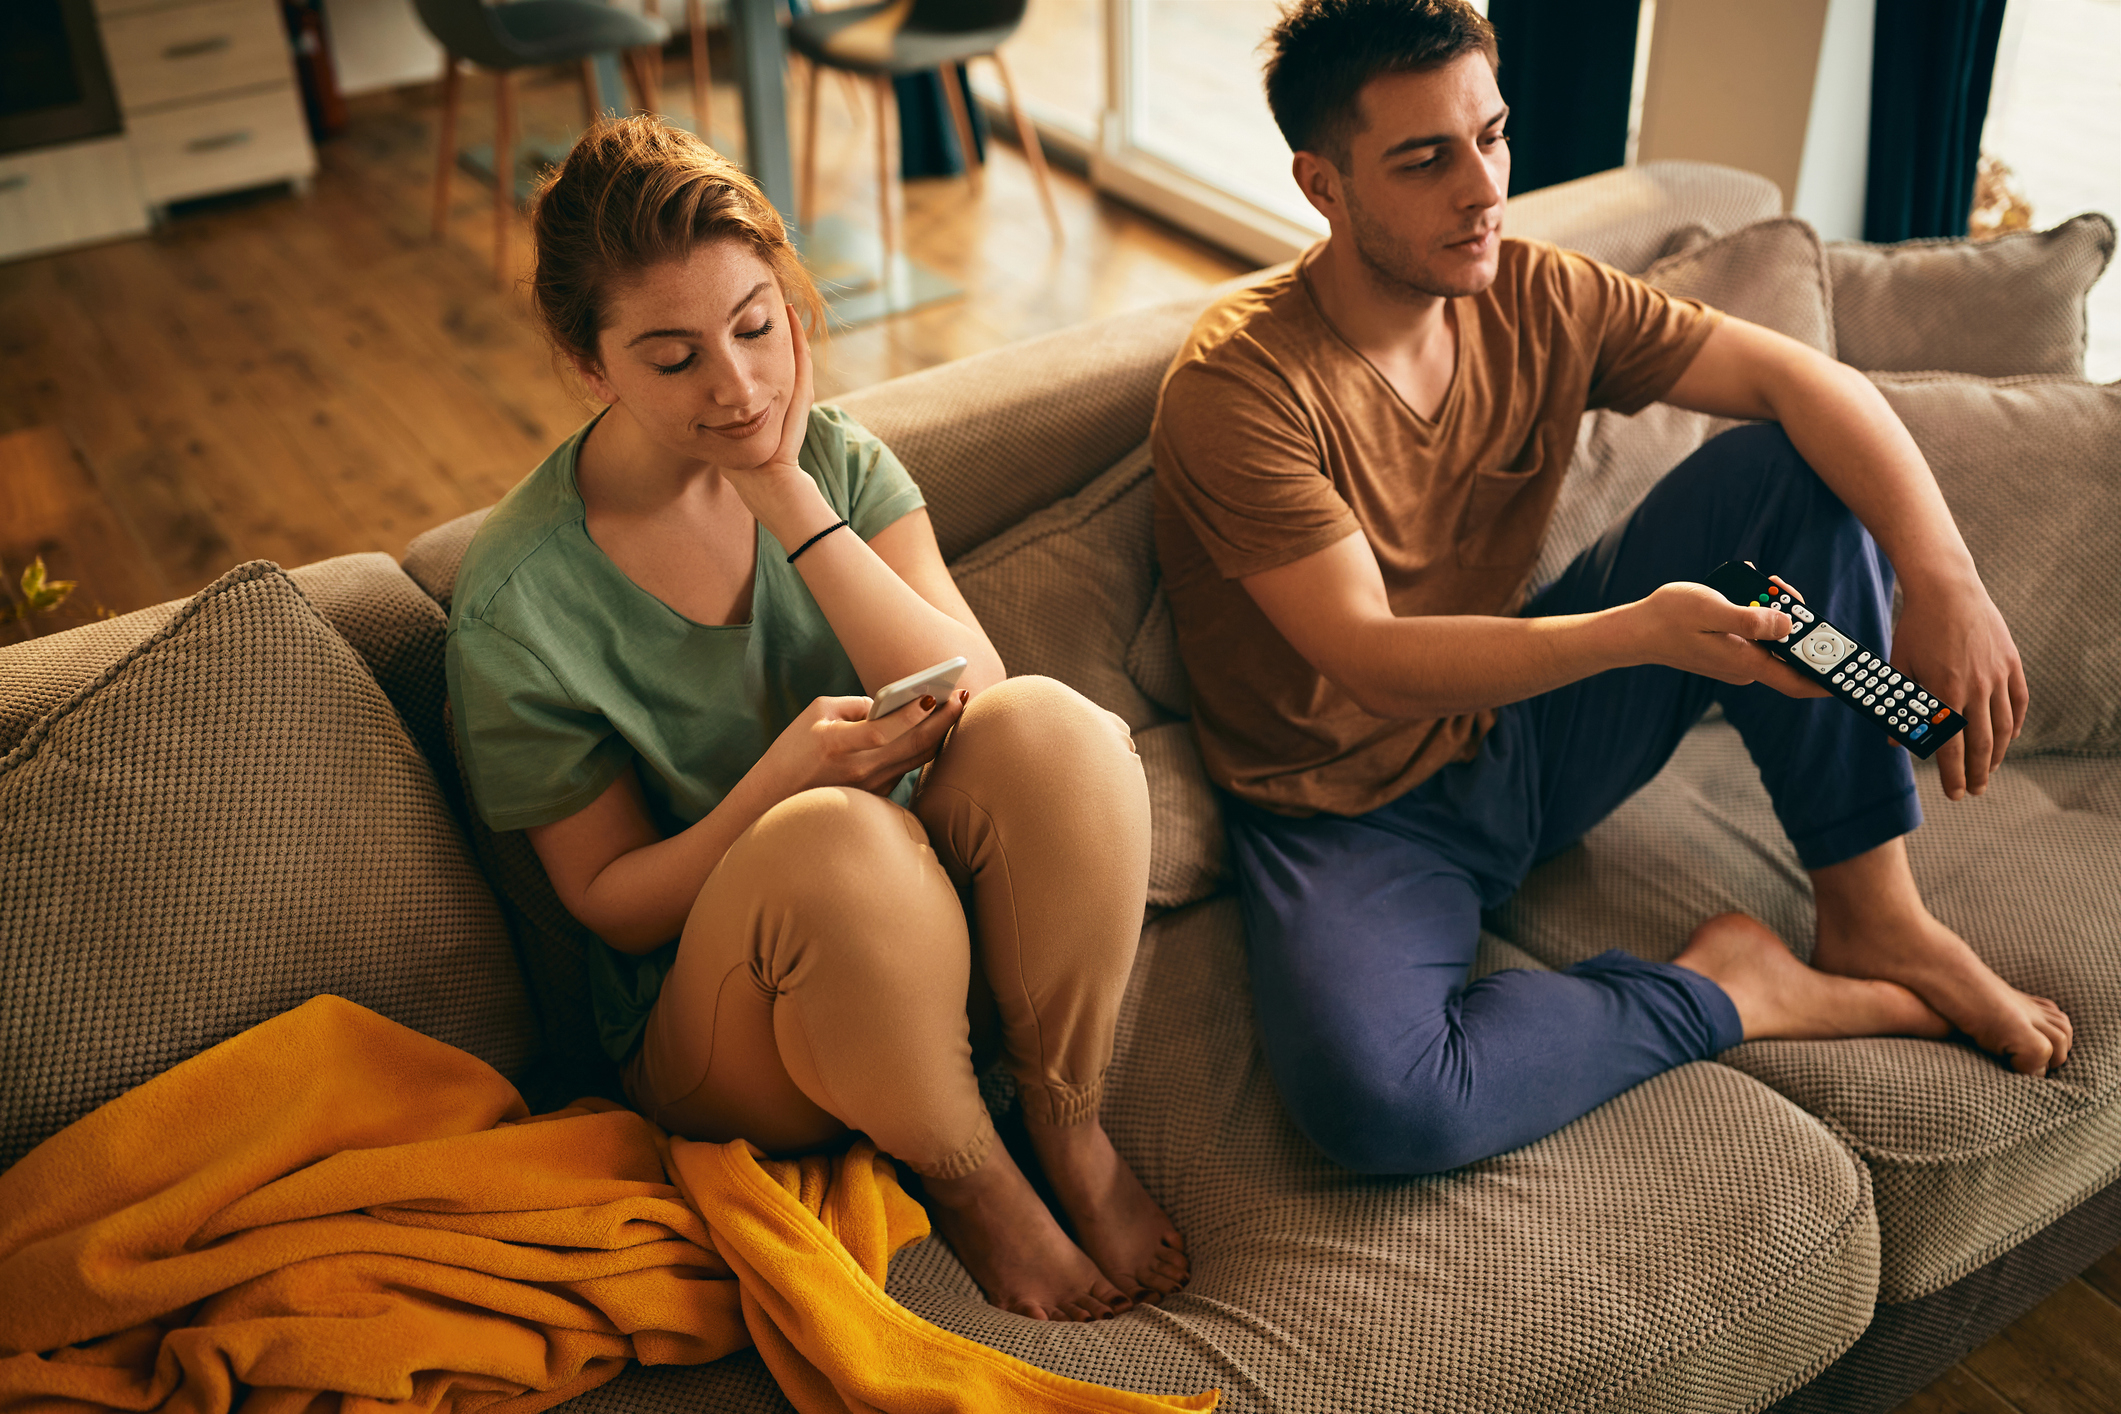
[[1905, 710]]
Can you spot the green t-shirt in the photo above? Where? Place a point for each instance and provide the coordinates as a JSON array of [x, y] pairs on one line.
[[562, 670]]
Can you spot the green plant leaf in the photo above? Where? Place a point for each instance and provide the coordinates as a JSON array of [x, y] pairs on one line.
[[44, 594]]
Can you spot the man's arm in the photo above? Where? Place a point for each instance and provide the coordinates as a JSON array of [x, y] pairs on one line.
[[1331, 606], [1951, 637]]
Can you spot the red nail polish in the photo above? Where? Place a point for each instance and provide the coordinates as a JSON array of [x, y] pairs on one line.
[[927, 704]]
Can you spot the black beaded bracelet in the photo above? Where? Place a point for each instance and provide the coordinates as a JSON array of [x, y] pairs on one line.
[[814, 539]]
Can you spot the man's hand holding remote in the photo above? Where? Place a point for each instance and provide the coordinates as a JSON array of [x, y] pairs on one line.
[[1952, 637]]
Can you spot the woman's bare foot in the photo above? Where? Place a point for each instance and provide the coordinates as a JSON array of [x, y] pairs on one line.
[[1873, 923], [1014, 1249], [1115, 1219], [1779, 998]]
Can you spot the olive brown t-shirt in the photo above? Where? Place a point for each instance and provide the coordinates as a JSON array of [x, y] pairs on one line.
[[1275, 438]]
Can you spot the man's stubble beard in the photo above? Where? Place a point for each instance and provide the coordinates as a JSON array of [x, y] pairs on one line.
[[1391, 260]]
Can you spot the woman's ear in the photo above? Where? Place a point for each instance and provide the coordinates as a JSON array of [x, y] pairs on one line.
[[592, 375]]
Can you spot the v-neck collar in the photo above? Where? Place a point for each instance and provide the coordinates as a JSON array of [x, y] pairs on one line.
[[1451, 390], [570, 467]]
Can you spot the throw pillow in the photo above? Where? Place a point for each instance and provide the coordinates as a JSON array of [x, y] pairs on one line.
[[1068, 594], [226, 821], [2014, 304], [1772, 272], [2031, 467]]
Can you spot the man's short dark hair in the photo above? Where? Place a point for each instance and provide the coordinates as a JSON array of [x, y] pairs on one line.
[[1324, 51]]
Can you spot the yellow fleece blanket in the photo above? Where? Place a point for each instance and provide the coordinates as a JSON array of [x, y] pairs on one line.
[[332, 1212]]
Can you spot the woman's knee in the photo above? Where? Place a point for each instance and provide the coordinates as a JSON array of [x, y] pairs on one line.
[[825, 849], [1029, 717]]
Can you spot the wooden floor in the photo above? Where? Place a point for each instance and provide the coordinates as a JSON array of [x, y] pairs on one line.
[[291, 378], [288, 377]]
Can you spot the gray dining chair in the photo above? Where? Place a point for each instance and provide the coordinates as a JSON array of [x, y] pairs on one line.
[[504, 38], [886, 38]]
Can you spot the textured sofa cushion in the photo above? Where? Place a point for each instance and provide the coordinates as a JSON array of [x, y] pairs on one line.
[[1967, 1157], [223, 822], [2014, 304], [2031, 468], [1697, 1244]]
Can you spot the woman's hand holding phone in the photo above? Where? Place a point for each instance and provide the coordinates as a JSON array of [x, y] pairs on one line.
[[833, 743]]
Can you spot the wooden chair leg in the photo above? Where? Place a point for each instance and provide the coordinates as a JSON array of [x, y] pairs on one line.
[[962, 120], [1033, 153], [504, 173], [591, 110], [806, 210], [641, 78], [696, 19], [446, 154], [885, 97]]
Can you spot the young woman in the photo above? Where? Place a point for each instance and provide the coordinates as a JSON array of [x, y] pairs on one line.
[[658, 652]]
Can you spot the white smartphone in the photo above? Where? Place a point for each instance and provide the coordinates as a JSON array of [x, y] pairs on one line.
[[928, 682]]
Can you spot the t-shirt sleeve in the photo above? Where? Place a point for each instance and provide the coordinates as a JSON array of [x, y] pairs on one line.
[[1242, 464], [1640, 339], [878, 490], [532, 753]]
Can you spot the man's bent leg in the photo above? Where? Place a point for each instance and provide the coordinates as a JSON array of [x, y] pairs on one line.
[[1359, 940]]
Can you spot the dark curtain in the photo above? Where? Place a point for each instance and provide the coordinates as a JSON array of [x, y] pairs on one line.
[[927, 137], [1567, 69], [1930, 75]]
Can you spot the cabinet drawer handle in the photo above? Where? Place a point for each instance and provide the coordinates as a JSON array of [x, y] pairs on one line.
[[198, 48], [218, 141], [14, 181]]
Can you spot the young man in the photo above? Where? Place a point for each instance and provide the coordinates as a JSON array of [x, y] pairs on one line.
[[1356, 461]]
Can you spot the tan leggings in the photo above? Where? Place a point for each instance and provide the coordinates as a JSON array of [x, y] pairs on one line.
[[824, 981]]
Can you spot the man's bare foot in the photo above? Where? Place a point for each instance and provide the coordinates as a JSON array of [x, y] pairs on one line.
[[1872, 923], [1014, 1249], [1779, 998], [1115, 1219]]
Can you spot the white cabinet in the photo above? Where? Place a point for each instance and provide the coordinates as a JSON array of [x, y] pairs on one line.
[[53, 197], [207, 92], [209, 95]]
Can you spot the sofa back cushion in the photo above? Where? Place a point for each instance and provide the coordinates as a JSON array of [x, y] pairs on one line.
[[2031, 467], [2012, 304], [991, 438], [221, 823]]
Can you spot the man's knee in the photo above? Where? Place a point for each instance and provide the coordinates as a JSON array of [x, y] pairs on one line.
[[1370, 1115]]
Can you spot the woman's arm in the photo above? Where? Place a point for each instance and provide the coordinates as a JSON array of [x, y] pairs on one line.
[[632, 887], [891, 602]]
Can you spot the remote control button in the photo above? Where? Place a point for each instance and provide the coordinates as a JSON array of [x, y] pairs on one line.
[[1895, 677], [1942, 713], [1900, 727], [1823, 647], [1840, 678], [1879, 710], [1804, 613], [1869, 700], [1921, 730], [1863, 657]]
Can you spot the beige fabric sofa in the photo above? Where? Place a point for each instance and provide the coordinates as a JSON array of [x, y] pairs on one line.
[[211, 811]]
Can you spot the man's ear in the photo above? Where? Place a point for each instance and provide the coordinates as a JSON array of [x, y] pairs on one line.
[[1320, 182]]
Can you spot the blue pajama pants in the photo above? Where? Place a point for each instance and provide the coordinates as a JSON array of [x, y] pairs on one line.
[[1360, 930]]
